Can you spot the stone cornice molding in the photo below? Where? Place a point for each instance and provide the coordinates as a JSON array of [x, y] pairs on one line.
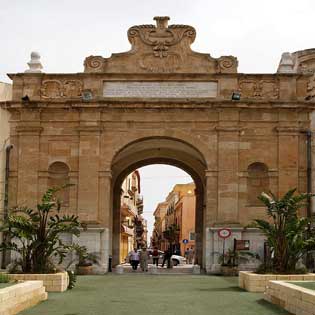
[[89, 129], [107, 173], [29, 130], [228, 129], [211, 173], [150, 103], [289, 130]]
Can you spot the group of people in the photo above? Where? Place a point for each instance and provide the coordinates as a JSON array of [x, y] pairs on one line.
[[142, 257]]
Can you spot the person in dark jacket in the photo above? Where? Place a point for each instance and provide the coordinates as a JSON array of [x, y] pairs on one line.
[[167, 257], [155, 256]]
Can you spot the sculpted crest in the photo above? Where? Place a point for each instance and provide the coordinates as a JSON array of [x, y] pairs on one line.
[[161, 48]]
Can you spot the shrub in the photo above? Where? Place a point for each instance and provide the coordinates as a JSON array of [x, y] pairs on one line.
[[289, 237], [35, 234], [4, 278]]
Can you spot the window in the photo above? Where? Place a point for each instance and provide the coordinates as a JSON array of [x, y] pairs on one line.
[[192, 236], [58, 175], [257, 182]]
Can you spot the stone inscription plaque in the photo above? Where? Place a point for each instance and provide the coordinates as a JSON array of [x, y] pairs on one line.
[[178, 89]]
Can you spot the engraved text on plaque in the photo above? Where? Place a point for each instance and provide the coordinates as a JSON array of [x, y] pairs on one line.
[[178, 89]]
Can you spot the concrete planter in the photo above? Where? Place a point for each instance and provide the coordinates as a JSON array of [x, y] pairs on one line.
[[57, 282], [293, 298], [18, 297], [254, 282]]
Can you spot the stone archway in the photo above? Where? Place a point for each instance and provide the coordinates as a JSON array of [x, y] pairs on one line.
[[159, 150]]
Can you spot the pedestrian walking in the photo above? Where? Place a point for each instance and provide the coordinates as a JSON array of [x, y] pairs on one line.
[[190, 255], [155, 256], [144, 257], [186, 255], [134, 259], [167, 257]]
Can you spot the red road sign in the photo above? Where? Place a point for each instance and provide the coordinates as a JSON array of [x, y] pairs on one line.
[[224, 233]]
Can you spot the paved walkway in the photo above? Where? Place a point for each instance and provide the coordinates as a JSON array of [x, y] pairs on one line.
[[147, 294]]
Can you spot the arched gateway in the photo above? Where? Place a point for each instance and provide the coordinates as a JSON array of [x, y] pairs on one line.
[[161, 102]]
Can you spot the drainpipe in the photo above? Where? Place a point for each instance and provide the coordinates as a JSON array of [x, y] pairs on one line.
[[5, 256], [309, 258]]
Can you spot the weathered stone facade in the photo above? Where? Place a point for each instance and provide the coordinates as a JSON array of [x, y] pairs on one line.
[[135, 109]]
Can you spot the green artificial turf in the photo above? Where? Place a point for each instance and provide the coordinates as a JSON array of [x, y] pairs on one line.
[[145, 294], [305, 284], [4, 285]]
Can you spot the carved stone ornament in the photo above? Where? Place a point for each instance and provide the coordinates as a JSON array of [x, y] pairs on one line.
[[259, 89], [54, 89], [304, 61], [161, 48], [72, 88], [311, 89]]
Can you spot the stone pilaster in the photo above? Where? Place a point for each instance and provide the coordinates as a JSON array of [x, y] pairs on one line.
[[88, 180], [29, 143], [288, 158], [228, 154]]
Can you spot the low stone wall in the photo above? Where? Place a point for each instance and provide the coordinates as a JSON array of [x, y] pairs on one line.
[[57, 282], [16, 298], [295, 299], [254, 282]]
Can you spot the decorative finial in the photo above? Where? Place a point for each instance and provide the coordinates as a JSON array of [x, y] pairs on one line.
[[161, 21], [286, 64], [34, 64]]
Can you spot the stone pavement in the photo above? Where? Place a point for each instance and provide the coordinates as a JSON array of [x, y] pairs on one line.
[[128, 294]]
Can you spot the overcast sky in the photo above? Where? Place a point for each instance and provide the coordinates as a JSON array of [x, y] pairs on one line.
[[64, 32], [67, 31], [156, 182]]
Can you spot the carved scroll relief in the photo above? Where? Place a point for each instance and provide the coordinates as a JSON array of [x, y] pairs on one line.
[[259, 89], [61, 89]]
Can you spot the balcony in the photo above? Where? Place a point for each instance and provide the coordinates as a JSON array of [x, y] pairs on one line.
[[139, 201]]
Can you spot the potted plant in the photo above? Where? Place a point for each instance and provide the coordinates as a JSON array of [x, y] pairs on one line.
[[85, 260], [289, 237], [35, 234], [232, 259]]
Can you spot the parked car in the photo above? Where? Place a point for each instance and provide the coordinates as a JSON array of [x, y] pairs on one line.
[[176, 259]]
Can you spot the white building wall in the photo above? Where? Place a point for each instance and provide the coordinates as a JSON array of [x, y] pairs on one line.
[[5, 95]]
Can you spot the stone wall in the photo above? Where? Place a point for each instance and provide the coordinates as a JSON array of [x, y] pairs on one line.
[[18, 297], [57, 282], [293, 298], [254, 282]]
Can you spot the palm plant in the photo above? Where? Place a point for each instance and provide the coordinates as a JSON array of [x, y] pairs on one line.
[[289, 236], [35, 234]]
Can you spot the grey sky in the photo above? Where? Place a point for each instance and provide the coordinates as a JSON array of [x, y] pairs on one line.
[[65, 32], [156, 182]]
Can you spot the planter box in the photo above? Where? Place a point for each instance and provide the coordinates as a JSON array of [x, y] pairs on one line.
[[18, 297], [293, 298], [53, 282], [229, 271], [254, 282]]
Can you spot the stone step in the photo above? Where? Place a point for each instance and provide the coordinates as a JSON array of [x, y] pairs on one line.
[[178, 270]]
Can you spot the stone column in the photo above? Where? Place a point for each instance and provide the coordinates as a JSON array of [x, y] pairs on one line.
[[210, 215], [105, 215]]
